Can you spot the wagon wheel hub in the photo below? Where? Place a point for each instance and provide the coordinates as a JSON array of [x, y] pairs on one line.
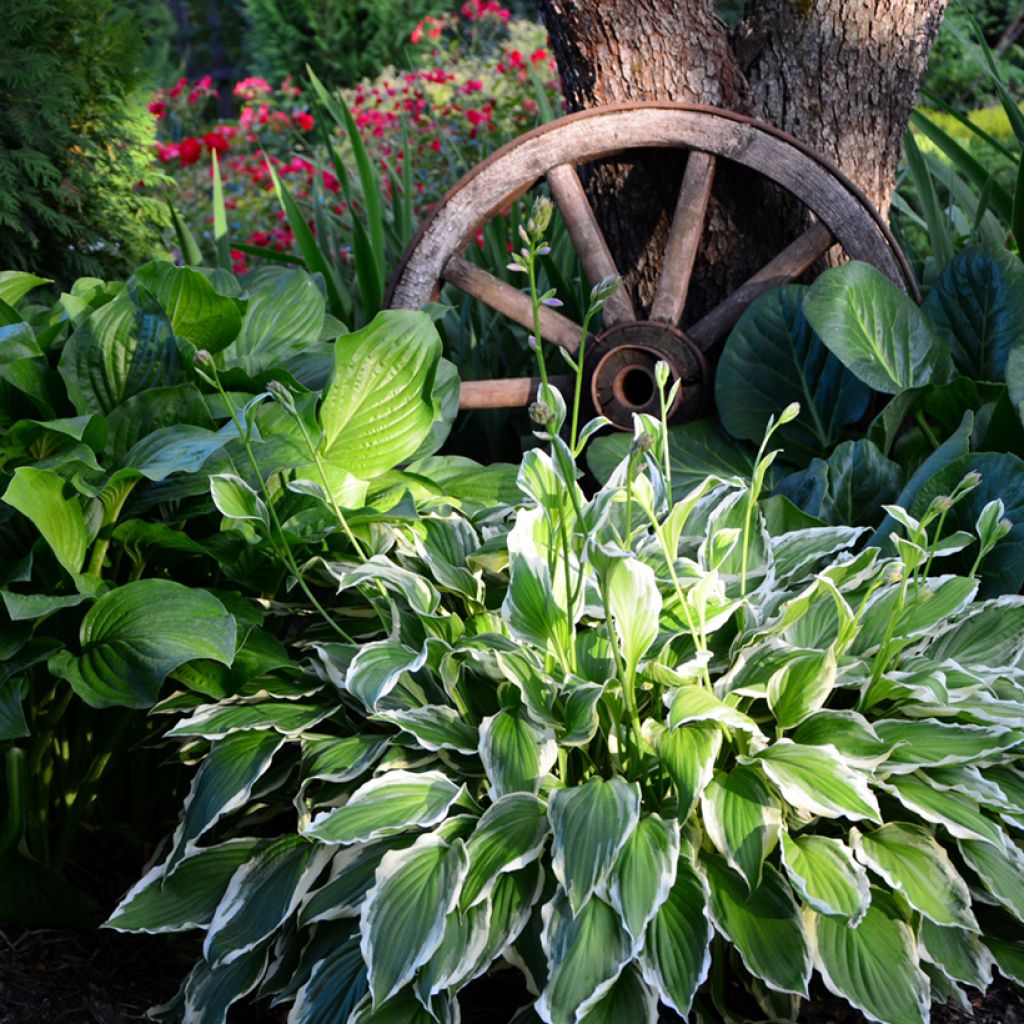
[[621, 362]]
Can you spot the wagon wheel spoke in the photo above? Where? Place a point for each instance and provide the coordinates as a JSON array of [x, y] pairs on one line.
[[510, 393], [588, 239], [503, 298], [684, 238], [786, 267]]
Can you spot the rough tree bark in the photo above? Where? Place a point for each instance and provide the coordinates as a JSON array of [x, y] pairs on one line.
[[840, 75]]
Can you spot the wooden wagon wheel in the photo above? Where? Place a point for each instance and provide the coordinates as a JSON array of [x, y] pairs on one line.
[[620, 360]]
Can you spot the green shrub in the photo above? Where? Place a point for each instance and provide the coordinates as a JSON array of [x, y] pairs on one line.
[[75, 141]]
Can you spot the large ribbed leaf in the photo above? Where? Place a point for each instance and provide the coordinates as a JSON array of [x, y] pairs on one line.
[[38, 494], [826, 875], [1001, 870], [591, 824], [958, 952], [911, 861], [378, 407], [688, 754], [645, 872], [515, 752], [197, 312]]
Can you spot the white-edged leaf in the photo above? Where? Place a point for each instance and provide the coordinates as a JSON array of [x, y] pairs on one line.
[[435, 727], [1000, 870], [377, 667], [635, 606], [630, 998], [824, 872], [959, 953], [688, 754], [235, 499], [696, 704], [645, 872], [515, 753], [210, 992], [960, 816], [335, 986], [801, 686], [215, 721], [927, 742]]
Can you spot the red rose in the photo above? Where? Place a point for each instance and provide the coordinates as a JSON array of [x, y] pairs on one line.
[[304, 122], [190, 150], [158, 108], [215, 142]]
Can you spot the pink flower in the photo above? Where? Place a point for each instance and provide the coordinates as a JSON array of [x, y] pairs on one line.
[[165, 154], [250, 87], [176, 89], [473, 85]]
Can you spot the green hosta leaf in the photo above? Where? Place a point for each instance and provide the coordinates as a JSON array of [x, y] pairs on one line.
[[591, 824], [1009, 957], [215, 721], [645, 872], [335, 986], [197, 311], [991, 633], [630, 998], [873, 965], [435, 727], [531, 610], [818, 780], [510, 834], [696, 704], [827, 877], [849, 732], [12, 717], [388, 804], [378, 409], [404, 915], [910, 860], [18, 341], [423, 598], [187, 897], [181, 448], [801, 686], [959, 953], [235, 499], [586, 952], [133, 637], [515, 753], [210, 992], [688, 754], [764, 926], [580, 721], [773, 358], [957, 814], [16, 284], [635, 606], [860, 480], [376, 669], [1001, 870], [676, 955], [260, 895], [742, 818], [928, 742], [38, 494]]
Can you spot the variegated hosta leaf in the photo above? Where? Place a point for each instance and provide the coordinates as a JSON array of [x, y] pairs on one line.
[[187, 897], [405, 1008], [696, 704], [377, 668], [688, 754], [351, 876], [1000, 870], [530, 608], [742, 818], [961, 817], [817, 780], [387, 804], [826, 875], [645, 872], [635, 606], [215, 721], [422, 597], [910, 860], [936, 602], [991, 633], [629, 999], [959, 953], [764, 926], [1009, 957], [585, 952], [849, 732], [927, 742], [445, 547], [261, 894], [590, 824], [873, 966], [334, 988], [580, 722], [676, 954], [510, 834], [515, 752], [463, 942], [801, 686], [340, 758], [436, 727], [211, 991], [404, 915]]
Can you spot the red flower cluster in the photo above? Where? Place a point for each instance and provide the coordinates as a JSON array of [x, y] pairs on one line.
[[473, 10]]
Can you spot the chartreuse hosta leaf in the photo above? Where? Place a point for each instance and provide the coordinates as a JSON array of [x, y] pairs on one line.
[[959, 953], [688, 754], [403, 918], [910, 860], [872, 965], [1001, 871], [645, 872], [590, 826], [38, 494], [515, 753], [824, 872], [389, 803], [742, 817], [133, 637], [676, 955]]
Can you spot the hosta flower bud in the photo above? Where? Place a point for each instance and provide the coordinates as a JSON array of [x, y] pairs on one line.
[[539, 413], [282, 395]]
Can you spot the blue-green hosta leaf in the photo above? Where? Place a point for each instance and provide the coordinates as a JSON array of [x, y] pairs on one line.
[[187, 897], [860, 480], [590, 824], [645, 872], [991, 633], [764, 926], [511, 833], [742, 818], [909, 859], [928, 742], [960, 816], [335, 986], [826, 875], [978, 305], [873, 966], [436, 727], [181, 448], [635, 607], [958, 952], [773, 358], [376, 669], [876, 330], [38, 494], [211, 991], [18, 341], [260, 895], [378, 408], [697, 704], [133, 637], [403, 919], [388, 804], [586, 951], [515, 753], [422, 596], [676, 956], [630, 998], [235, 499], [215, 721], [801, 686], [1001, 870]]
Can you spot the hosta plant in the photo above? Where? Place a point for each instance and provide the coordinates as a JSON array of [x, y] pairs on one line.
[[691, 753]]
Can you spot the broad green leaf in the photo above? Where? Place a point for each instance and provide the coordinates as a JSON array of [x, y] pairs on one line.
[[378, 408], [133, 637], [181, 448], [511, 833], [818, 780], [403, 918], [876, 330], [764, 926], [697, 704], [1001, 870], [801, 686], [960, 816], [676, 956], [515, 753], [284, 315], [197, 311], [873, 966], [377, 667], [635, 606], [773, 358], [38, 494], [928, 742], [16, 284], [18, 341], [436, 727], [388, 804], [860, 480], [958, 952], [909, 859], [187, 897], [688, 754], [590, 824], [742, 818], [235, 499], [335, 986], [826, 875], [586, 951], [645, 872], [260, 895]]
